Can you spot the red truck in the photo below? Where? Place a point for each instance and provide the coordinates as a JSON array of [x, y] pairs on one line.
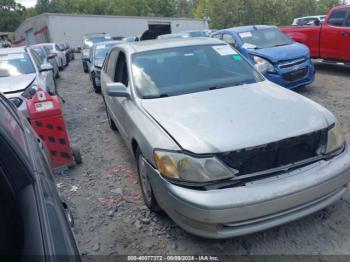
[[329, 41]]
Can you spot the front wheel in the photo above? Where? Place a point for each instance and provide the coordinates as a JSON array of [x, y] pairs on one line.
[[145, 183], [111, 123], [96, 88]]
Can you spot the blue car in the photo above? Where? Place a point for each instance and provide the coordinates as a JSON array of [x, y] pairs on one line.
[[281, 59]]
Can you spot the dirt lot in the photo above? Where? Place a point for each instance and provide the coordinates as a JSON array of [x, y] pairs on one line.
[[105, 196]]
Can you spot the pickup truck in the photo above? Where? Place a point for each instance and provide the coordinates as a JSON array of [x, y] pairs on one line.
[[329, 41]]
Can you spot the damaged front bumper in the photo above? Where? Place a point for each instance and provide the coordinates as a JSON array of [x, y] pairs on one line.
[[257, 205]]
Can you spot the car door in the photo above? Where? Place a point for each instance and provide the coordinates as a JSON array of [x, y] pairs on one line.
[[56, 235], [335, 36], [107, 76], [46, 77], [121, 104]]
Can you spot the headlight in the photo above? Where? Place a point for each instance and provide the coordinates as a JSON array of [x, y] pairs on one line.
[[262, 65], [335, 139], [29, 92], [183, 167]]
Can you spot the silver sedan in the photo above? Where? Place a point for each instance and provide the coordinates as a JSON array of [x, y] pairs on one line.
[[22, 71], [223, 151]]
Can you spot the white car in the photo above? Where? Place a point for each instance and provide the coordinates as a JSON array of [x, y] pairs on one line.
[[309, 20], [22, 71], [60, 55]]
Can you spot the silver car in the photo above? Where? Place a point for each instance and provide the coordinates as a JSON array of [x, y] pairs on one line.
[[59, 54], [47, 57], [22, 71], [223, 151]]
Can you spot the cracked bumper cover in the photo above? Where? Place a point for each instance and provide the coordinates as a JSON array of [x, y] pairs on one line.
[[258, 205]]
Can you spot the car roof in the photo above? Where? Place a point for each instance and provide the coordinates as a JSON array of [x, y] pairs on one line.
[[312, 16], [149, 45], [42, 44], [108, 42], [12, 50], [241, 29]]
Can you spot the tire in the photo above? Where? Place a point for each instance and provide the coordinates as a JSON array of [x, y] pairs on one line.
[[96, 88], [111, 123], [146, 188], [55, 87], [77, 156], [85, 68], [62, 66]]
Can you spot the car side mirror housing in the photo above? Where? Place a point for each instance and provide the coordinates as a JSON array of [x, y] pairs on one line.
[[46, 67], [317, 22], [117, 90]]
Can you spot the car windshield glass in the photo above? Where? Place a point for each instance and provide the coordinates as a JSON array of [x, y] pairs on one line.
[[62, 46], [196, 34], [15, 64], [102, 50], [49, 47], [264, 38], [40, 52], [189, 69]]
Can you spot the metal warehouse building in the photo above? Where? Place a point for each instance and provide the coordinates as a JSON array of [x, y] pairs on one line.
[[71, 28]]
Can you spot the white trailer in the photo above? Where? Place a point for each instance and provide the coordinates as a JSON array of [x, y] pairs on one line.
[[70, 28]]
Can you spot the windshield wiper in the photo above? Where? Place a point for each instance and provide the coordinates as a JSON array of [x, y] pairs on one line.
[[155, 96]]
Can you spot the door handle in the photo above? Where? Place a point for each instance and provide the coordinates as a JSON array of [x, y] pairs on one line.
[[346, 34]]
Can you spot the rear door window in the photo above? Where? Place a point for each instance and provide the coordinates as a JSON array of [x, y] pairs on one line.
[[338, 17], [112, 63], [347, 24], [122, 70]]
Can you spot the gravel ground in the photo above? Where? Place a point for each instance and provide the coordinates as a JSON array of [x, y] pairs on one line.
[[105, 197]]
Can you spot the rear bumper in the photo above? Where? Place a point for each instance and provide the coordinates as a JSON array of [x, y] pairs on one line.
[[258, 205]]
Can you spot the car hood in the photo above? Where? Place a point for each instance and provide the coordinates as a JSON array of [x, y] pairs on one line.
[[16, 83], [282, 53], [239, 117]]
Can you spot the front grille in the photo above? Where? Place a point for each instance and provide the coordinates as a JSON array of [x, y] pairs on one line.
[[296, 75], [286, 64], [275, 155]]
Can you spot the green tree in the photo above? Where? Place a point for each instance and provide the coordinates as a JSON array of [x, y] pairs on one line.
[[11, 15]]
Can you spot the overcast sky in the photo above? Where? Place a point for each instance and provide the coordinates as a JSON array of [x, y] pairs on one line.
[[27, 3], [30, 3]]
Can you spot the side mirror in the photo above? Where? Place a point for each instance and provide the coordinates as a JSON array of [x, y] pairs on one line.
[[46, 67], [117, 90], [317, 22]]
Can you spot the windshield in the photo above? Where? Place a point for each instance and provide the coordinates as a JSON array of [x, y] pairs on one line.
[[40, 52], [15, 64], [93, 40], [101, 51], [183, 70], [62, 46], [196, 34], [49, 47], [264, 38]]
